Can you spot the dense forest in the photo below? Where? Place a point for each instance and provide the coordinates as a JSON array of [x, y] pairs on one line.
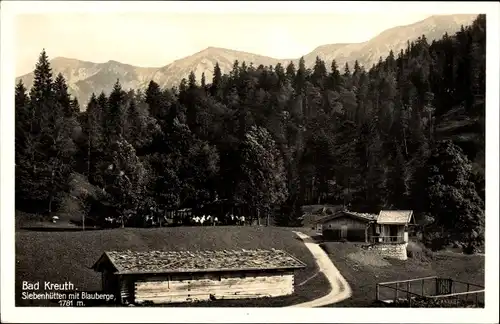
[[406, 134]]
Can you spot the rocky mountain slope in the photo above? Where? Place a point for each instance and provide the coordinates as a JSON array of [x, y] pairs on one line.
[[204, 62], [86, 77], [368, 53]]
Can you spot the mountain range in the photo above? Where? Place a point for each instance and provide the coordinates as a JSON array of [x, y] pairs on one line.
[[84, 78]]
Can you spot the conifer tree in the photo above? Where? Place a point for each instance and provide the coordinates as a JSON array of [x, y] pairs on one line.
[[203, 82], [290, 71], [115, 114]]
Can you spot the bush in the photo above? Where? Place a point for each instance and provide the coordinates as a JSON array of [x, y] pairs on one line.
[[469, 249], [418, 251]]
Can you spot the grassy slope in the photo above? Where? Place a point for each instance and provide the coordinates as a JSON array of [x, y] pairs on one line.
[[67, 256], [363, 278]]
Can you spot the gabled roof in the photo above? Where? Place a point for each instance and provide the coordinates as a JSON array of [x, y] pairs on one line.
[[134, 262], [361, 216], [395, 217]]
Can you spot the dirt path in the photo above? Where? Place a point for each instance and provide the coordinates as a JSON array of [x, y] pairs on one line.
[[340, 288]]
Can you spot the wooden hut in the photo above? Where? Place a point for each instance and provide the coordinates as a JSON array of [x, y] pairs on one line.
[[392, 226], [348, 225], [161, 277]]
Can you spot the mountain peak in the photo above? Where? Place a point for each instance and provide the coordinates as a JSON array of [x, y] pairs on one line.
[[214, 49], [114, 62], [86, 77], [62, 59]]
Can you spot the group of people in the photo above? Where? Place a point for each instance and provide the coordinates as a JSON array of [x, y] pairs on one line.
[[204, 220], [213, 220], [236, 220]]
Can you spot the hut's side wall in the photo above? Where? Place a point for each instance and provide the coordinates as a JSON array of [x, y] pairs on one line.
[[197, 287], [126, 290], [345, 228]]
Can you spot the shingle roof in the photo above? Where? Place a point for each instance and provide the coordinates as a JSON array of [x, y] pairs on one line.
[[132, 262], [394, 217], [366, 216], [363, 216]]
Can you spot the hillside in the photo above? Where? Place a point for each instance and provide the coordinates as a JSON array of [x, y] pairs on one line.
[[86, 77], [76, 252]]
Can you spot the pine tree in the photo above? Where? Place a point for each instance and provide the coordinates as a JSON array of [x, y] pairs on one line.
[[280, 73], [42, 90], [133, 126], [235, 72], [319, 74], [153, 99], [300, 77], [115, 114], [52, 155], [75, 107], [23, 121], [192, 80], [203, 82], [92, 128], [62, 96], [347, 70], [25, 145], [290, 72], [335, 79], [397, 188], [216, 80]]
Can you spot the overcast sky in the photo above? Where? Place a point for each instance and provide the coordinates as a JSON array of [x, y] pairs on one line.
[[153, 40]]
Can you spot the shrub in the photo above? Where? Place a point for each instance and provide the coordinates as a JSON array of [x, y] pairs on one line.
[[418, 251], [469, 249]]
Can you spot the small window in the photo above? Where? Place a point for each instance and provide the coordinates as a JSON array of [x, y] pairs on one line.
[[329, 225]]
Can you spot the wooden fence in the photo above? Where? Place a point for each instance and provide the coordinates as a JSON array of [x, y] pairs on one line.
[[430, 292]]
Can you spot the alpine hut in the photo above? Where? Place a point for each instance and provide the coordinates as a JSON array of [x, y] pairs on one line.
[[161, 277], [346, 225]]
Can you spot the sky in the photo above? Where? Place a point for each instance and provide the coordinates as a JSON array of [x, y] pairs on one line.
[[156, 39]]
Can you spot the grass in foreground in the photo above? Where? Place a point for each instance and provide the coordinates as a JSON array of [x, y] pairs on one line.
[[68, 256], [364, 269]]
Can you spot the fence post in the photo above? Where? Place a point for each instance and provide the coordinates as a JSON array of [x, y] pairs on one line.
[[377, 290], [423, 281], [467, 295], [397, 291]]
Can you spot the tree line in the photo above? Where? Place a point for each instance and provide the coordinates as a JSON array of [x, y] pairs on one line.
[[408, 133]]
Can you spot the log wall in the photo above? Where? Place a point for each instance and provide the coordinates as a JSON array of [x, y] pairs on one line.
[[198, 287], [345, 228]]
